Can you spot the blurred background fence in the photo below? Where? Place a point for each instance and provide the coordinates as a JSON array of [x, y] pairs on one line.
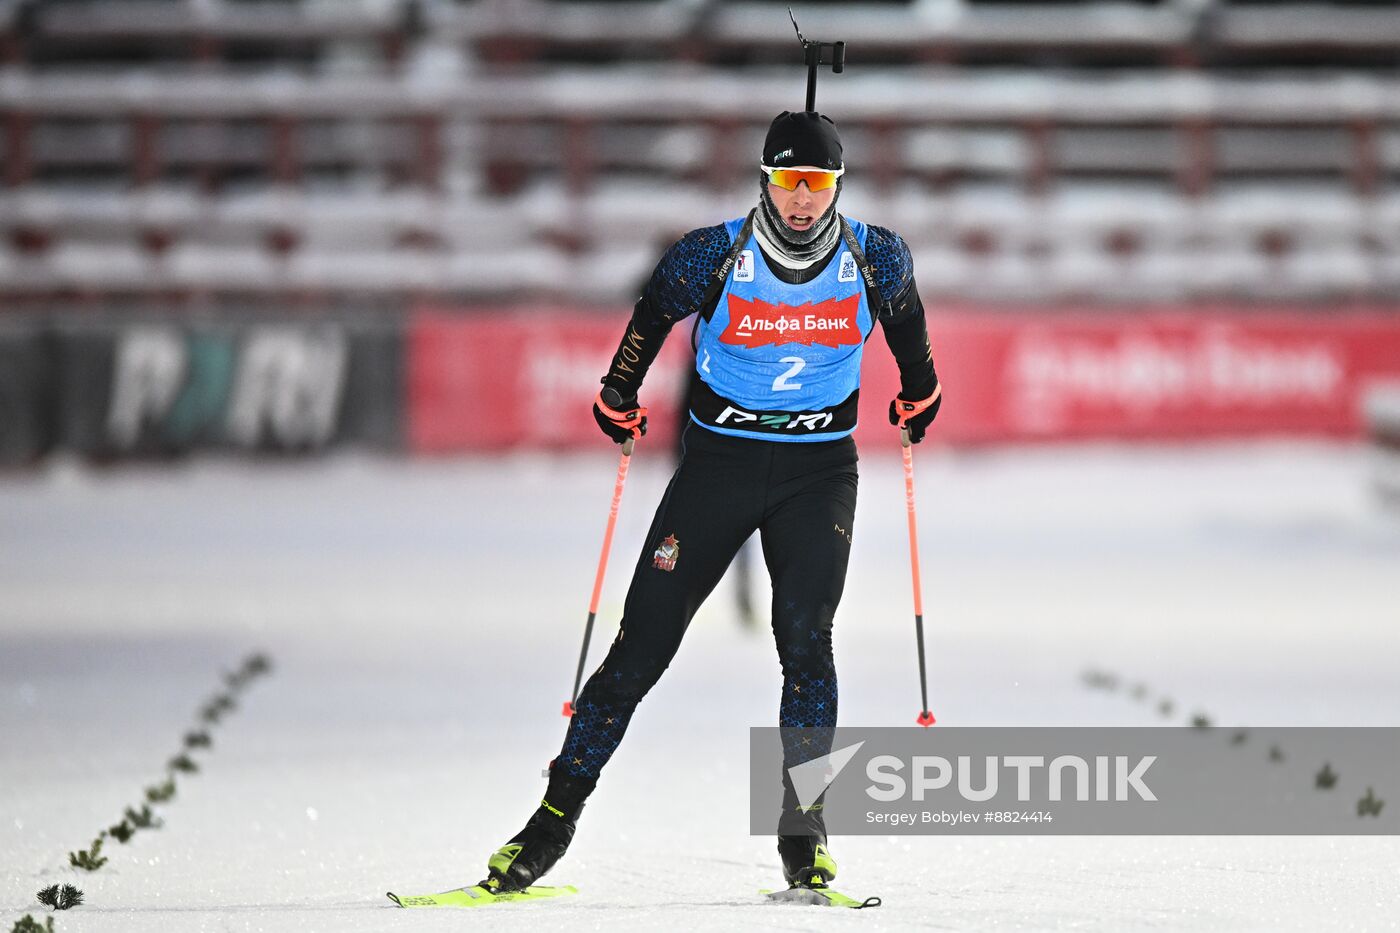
[[286, 224]]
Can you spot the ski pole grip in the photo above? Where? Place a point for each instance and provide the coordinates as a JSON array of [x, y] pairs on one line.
[[627, 445], [610, 402], [905, 409]]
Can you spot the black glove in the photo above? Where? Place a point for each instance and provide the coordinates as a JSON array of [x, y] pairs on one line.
[[620, 418], [917, 416]]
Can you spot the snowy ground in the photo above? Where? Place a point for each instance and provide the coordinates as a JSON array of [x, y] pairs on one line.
[[425, 617]]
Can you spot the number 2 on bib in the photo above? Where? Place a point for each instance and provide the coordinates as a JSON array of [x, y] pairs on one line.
[[781, 384]]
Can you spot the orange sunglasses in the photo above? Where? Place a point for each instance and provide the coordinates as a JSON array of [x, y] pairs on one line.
[[817, 179]]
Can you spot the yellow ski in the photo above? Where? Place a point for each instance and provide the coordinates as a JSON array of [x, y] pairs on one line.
[[478, 896], [818, 895]]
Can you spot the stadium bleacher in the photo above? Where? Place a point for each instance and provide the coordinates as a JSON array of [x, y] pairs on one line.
[[1094, 152]]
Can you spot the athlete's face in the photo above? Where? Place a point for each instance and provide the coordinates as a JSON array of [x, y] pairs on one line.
[[801, 208]]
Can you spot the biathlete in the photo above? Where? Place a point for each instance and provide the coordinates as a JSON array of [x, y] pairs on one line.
[[783, 301]]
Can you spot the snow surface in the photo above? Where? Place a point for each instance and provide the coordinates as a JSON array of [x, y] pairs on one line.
[[424, 619]]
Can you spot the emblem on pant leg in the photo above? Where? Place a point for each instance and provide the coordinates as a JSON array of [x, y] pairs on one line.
[[667, 554]]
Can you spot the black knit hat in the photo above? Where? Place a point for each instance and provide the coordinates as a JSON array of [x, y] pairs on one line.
[[802, 139]]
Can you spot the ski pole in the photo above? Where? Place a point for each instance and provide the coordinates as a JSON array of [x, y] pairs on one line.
[[925, 716], [602, 570]]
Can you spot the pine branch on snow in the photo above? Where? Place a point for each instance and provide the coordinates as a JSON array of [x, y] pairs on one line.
[[253, 667], [160, 793], [60, 898], [256, 665], [215, 709], [143, 818], [183, 762], [89, 859]]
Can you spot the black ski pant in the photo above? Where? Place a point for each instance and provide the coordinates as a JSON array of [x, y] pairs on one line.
[[801, 498]]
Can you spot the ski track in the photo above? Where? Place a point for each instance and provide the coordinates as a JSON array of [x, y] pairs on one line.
[[424, 621]]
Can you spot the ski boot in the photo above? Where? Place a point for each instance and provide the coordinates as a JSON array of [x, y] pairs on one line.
[[802, 847], [806, 861], [535, 849]]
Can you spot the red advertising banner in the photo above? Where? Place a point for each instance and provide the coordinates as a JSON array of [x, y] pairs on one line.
[[493, 380], [1158, 375], [497, 380]]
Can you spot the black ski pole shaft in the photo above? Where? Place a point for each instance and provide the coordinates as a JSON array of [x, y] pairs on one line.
[[923, 673], [582, 659]]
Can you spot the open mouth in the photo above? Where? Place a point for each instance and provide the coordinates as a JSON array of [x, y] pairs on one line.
[[800, 221]]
